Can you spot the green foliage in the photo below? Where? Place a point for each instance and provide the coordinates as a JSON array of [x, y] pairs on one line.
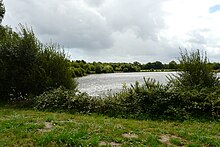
[[54, 68], [2, 10], [155, 100], [28, 67], [54, 99], [62, 99], [18, 55], [151, 99], [195, 72], [98, 68], [153, 65], [81, 68], [172, 65], [215, 66], [108, 69]]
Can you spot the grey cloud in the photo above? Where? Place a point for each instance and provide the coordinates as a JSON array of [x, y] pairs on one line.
[[105, 30], [71, 23], [55, 18], [127, 47], [202, 38], [144, 17], [95, 3], [196, 37]]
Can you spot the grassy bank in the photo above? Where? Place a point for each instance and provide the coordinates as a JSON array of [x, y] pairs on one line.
[[34, 128]]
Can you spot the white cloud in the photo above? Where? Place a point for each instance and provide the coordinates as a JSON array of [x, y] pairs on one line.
[[191, 24], [122, 30], [71, 23]]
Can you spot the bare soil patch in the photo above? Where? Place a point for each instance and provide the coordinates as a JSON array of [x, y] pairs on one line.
[[47, 127], [113, 144], [128, 135], [165, 138]]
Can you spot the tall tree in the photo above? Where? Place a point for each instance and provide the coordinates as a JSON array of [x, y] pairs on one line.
[[2, 10]]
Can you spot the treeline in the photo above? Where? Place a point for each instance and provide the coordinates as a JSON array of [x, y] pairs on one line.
[[82, 68]]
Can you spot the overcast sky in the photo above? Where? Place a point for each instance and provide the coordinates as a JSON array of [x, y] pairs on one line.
[[122, 30]]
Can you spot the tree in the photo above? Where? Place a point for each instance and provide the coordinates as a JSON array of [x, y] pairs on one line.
[[108, 69], [158, 65], [2, 10], [137, 64], [98, 68], [172, 65], [215, 66]]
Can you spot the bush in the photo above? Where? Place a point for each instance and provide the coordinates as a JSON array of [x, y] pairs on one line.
[[62, 99], [27, 67], [155, 101], [194, 92], [195, 72], [18, 55], [195, 89], [55, 70], [147, 99]]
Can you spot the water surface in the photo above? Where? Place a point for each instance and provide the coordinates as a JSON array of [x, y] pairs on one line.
[[102, 84]]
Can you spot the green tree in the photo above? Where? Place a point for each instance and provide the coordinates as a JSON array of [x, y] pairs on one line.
[[108, 69], [158, 65], [215, 66], [137, 64], [55, 69], [98, 68], [2, 10], [172, 65]]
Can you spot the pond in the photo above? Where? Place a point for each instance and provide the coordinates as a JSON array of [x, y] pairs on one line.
[[102, 84]]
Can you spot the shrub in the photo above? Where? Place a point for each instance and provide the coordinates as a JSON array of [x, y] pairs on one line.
[[155, 100], [18, 55], [193, 92], [54, 69], [139, 101], [62, 99], [27, 67], [195, 89], [195, 72], [147, 99]]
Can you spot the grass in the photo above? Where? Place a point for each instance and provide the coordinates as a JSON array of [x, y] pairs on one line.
[[33, 128]]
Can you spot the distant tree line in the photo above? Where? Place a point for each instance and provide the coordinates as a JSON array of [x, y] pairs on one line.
[[82, 68]]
